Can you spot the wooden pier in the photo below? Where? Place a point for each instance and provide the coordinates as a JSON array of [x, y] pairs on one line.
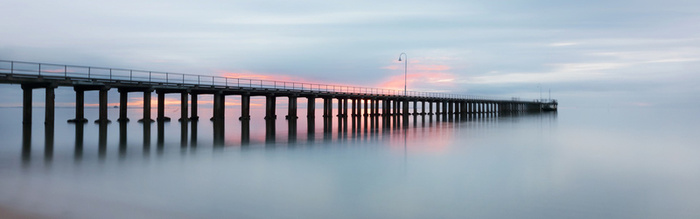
[[361, 101]]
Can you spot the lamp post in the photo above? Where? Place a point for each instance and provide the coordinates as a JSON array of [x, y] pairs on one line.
[[405, 71]]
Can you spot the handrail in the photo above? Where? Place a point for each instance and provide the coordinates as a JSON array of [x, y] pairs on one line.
[[181, 79]]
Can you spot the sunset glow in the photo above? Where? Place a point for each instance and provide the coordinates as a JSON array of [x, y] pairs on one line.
[[419, 77], [249, 75]]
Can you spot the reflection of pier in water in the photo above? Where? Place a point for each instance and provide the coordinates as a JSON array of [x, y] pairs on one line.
[[362, 129]]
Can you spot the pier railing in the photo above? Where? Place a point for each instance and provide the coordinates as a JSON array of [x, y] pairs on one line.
[[75, 72]]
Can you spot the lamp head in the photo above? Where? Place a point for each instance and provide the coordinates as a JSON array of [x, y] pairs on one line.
[[399, 58]]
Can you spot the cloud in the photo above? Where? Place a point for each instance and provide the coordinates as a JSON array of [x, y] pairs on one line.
[[419, 77], [563, 44], [249, 78], [454, 46]]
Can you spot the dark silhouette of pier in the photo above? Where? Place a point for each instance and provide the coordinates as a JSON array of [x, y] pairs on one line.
[[361, 104]]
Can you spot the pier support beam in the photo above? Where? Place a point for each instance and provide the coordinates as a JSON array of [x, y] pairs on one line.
[[415, 107], [340, 108], [450, 108], [219, 109], [430, 108], [442, 108], [245, 107], [161, 107], [270, 105], [359, 107], [345, 108], [366, 112], [311, 107], [405, 112], [292, 109], [103, 106], [123, 99], [194, 114], [456, 108], [327, 110], [183, 107], [397, 107], [376, 107], [50, 105], [353, 108], [390, 107], [27, 104], [465, 109], [385, 107], [147, 107], [218, 119], [79, 106]]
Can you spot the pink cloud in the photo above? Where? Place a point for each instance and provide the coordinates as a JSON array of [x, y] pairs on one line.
[[280, 78], [420, 76]]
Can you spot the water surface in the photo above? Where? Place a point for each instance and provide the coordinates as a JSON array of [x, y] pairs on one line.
[[577, 163]]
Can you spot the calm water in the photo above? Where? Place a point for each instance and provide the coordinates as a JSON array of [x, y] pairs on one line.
[[578, 163]]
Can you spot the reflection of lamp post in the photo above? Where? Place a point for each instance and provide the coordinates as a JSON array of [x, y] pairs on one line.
[[405, 70]]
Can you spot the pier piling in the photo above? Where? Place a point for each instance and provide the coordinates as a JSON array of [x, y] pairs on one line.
[[103, 106], [245, 107], [194, 116], [311, 107], [50, 105], [146, 107], [183, 107], [123, 98]]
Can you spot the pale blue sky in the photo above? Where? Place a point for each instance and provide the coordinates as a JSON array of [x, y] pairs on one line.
[[590, 53]]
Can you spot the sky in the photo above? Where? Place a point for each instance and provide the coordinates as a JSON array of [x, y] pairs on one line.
[[588, 53]]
